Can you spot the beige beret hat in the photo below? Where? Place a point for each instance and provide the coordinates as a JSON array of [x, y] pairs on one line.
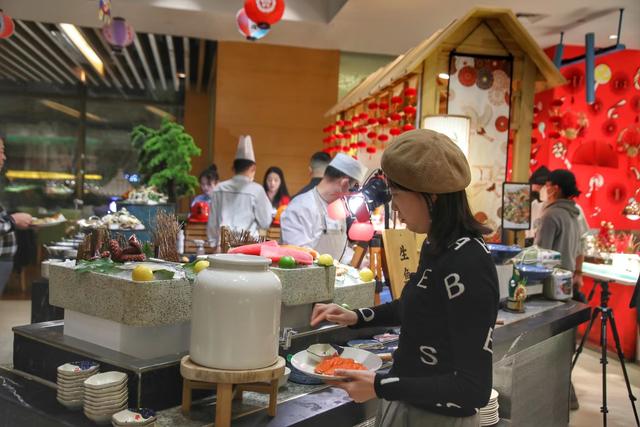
[[426, 161]]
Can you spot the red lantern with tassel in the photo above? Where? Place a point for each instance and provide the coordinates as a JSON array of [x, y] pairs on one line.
[[408, 127], [7, 27], [371, 149], [265, 13]]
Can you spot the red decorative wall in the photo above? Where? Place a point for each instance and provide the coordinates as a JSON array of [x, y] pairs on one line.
[[599, 143]]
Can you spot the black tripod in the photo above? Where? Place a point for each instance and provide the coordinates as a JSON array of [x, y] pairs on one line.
[[606, 314]]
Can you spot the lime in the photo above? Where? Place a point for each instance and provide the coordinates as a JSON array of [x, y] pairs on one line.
[[366, 275], [287, 262], [325, 260], [345, 306], [142, 273], [200, 265]]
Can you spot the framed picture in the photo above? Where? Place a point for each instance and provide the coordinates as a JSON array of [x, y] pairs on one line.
[[516, 206]]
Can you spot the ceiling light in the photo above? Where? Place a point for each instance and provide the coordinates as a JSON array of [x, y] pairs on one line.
[[443, 76], [613, 36], [160, 112], [83, 46], [182, 75], [69, 111]]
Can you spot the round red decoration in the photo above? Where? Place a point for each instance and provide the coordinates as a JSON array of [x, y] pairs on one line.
[[372, 121], [502, 124], [347, 122], [345, 148], [338, 136], [353, 145], [408, 127], [372, 135], [383, 121], [619, 83], [326, 140], [346, 135], [362, 144], [396, 100], [383, 137], [372, 106], [265, 13], [340, 123], [362, 130], [383, 106], [467, 76], [410, 91], [371, 150], [409, 110], [609, 127], [7, 26], [395, 131], [363, 116], [395, 117]]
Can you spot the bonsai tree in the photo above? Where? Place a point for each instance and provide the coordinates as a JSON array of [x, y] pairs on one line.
[[164, 158]]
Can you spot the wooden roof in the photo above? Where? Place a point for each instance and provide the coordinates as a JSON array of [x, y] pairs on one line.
[[511, 34]]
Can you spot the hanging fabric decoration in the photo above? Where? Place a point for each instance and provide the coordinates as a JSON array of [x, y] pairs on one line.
[[119, 34], [104, 11], [248, 28], [6, 26], [265, 13]]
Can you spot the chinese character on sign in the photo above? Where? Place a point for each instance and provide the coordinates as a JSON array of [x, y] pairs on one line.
[[403, 253], [407, 275]]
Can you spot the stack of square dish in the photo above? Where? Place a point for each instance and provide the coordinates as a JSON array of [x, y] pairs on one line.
[[489, 414], [104, 395], [71, 377], [134, 417]]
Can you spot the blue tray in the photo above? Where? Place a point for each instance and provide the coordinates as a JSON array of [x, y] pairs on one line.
[[503, 253], [534, 273]]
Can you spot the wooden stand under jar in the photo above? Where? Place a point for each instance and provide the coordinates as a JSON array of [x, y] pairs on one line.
[[196, 377]]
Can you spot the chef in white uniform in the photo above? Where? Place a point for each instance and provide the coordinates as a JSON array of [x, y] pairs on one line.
[[306, 222], [239, 203]]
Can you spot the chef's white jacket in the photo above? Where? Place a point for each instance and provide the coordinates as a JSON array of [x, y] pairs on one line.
[[240, 204]]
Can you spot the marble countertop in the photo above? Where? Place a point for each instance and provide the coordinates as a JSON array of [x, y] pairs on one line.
[[608, 273]]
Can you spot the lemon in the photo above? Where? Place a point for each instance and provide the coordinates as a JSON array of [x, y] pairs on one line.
[[325, 260], [142, 273], [602, 74], [200, 265], [366, 275]]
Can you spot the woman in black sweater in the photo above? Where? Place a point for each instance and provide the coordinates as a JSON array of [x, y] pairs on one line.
[[442, 369]]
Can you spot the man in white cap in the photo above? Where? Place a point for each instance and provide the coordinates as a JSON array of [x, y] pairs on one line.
[[239, 203], [306, 222]]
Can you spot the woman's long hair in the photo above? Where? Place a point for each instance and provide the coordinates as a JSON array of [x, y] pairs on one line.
[[282, 190], [451, 218]]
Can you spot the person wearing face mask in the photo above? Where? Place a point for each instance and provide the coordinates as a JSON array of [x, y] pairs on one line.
[[537, 180], [306, 221], [442, 369]]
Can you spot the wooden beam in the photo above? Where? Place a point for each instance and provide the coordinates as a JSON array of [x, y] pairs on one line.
[[201, 53], [522, 139], [430, 93]]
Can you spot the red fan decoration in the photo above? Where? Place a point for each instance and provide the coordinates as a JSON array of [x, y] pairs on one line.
[[265, 13], [467, 76], [7, 27]]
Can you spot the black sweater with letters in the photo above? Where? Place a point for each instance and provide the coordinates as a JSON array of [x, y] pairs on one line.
[[447, 312]]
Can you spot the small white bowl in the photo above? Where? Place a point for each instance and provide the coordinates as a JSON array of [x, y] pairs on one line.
[[319, 352], [75, 368], [106, 396], [282, 381], [132, 418], [105, 403], [106, 380]]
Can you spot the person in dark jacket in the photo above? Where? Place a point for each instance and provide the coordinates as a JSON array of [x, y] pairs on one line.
[[442, 369]]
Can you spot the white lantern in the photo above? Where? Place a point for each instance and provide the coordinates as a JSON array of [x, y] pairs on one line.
[[455, 127]]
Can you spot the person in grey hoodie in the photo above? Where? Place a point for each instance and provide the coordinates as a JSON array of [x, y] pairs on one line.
[[560, 228]]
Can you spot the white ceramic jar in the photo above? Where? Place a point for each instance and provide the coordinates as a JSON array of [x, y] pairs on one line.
[[235, 316]]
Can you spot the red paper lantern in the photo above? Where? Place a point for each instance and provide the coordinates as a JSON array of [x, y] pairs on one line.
[[410, 91], [372, 106], [409, 110], [396, 100], [372, 121], [338, 136], [395, 131], [383, 121], [395, 117], [353, 145], [372, 135], [345, 148], [326, 140], [371, 150], [362, 130], [408, 127], [7, 27], [265, 13], [383, 137], [346, 135], [347, 123], [363, 116], [361, 231], [383, 106], [362, 144], [340, 123]]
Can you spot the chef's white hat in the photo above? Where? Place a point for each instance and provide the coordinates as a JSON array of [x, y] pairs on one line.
[[245, 149], [349, 166]]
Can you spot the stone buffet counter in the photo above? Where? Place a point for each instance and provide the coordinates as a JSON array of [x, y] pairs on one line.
[[532, 356]]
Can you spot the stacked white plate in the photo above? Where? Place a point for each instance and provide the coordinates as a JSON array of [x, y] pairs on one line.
[[71, 377], [489, 414], [134, 417], [104, 395]]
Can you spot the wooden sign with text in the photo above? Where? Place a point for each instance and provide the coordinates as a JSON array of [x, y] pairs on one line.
[[401, 254]]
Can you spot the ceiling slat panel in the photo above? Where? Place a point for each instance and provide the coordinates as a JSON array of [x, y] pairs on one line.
[[133, 68], [172, 60], [145, 64], [156, 57]]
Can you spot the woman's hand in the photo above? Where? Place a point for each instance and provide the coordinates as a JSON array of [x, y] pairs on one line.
[[359, 385], [332, 313]]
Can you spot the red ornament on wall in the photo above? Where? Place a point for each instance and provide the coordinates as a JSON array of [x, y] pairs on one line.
[[7, 26]]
